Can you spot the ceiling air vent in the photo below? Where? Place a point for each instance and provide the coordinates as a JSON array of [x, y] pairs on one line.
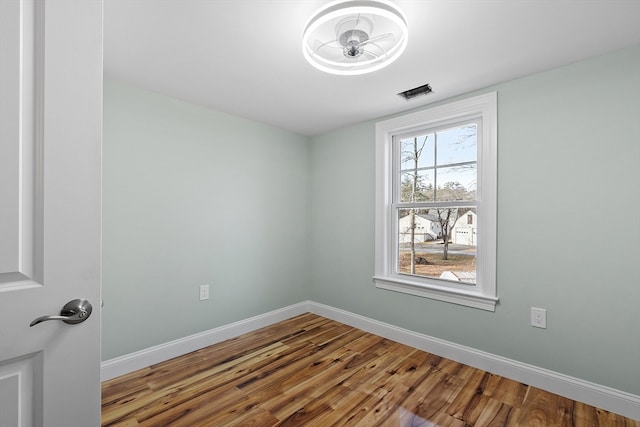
[[416, 91]]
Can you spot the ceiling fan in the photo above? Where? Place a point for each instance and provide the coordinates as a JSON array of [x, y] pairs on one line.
[[354, 36]]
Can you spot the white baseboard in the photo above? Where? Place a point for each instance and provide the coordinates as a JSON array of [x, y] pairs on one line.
[[607, 398], [150, 356]]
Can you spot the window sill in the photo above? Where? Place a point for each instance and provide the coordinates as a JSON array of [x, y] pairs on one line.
[[440, 293]]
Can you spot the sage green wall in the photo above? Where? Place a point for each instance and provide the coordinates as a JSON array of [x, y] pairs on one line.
[[568, 226], [193, 196]]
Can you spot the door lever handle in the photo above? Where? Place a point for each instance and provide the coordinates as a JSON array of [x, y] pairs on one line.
[[75, 311]]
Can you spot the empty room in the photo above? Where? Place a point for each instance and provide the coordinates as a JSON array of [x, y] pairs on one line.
[[320, 213]]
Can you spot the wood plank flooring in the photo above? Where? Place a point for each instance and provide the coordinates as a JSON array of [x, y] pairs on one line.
[[312, 371]]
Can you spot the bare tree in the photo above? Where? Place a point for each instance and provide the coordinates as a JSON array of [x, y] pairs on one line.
[[414, 156], [447, 219]]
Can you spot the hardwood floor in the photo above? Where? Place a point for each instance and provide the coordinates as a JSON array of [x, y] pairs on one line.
[[312, 371]]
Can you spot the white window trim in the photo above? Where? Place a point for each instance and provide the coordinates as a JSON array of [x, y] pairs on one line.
[[484, 294]]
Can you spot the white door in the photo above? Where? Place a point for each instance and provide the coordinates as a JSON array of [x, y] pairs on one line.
[[50, 210]]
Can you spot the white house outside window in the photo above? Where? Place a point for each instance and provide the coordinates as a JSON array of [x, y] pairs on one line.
[[436, 203]]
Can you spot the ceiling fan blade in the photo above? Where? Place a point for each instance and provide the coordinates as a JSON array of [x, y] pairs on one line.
[[369, 53], [327, 44], [373, 39]]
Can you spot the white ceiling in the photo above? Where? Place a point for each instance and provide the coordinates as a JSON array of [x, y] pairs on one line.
[[244, 57]]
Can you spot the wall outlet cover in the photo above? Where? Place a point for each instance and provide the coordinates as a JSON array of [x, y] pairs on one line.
[[538, 317], [204, 292]]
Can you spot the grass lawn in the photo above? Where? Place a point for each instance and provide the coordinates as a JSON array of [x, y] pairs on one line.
[[432, 264]]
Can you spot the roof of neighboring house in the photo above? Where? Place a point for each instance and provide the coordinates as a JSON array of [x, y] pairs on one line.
[[433, 215], [430, 217]]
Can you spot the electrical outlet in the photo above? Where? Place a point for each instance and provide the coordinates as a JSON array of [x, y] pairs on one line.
[[538, 317], [204, 292]]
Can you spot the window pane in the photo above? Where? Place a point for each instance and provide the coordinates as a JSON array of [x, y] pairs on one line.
[[458, 145], [420, 148], [456, 183], [417, 186], [421, 243]]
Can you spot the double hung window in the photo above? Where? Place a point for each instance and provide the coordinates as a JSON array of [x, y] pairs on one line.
[[436, 203]]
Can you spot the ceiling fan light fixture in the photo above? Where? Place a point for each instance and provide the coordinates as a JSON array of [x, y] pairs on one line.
[[350, 37]]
